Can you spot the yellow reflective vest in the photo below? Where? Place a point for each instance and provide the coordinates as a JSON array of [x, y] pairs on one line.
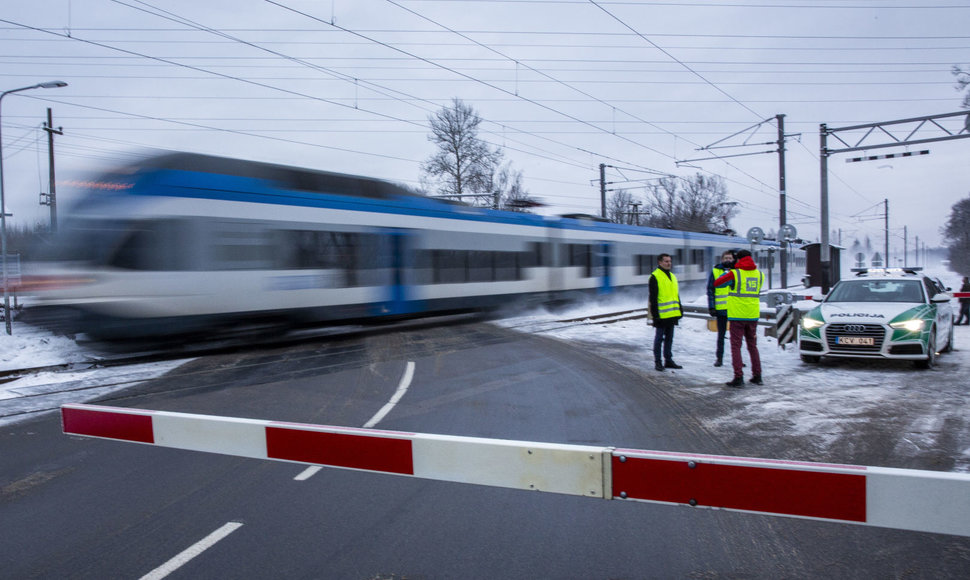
[[720, 294], [742, 299], [668, 296]]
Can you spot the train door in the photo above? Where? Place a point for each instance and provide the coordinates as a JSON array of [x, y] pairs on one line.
[[603, 266], [397, 257]]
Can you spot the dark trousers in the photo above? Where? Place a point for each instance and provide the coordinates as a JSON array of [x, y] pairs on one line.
[[964, 313], [746, 330], [663, 341], [722, 325]]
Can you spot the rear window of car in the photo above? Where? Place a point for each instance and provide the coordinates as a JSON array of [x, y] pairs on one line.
[[877, 291]]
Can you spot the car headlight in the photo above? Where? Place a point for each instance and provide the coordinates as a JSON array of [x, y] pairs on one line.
[[810, 323], [914, 325]]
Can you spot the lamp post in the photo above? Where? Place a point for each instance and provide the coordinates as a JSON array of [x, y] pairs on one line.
[[3, 204]]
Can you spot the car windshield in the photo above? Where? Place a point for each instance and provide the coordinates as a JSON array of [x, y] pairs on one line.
[[877, 291]]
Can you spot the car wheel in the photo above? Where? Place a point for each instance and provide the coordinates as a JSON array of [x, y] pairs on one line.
[[931, 352], [807, 358]]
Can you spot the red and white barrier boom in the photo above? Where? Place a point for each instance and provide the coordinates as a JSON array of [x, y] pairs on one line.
[[926, 501]]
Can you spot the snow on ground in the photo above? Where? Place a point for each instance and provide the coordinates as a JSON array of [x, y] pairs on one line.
[[33, 348], [868, 412]]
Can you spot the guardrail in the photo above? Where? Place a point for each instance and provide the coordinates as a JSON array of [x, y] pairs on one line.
[[905, 499]]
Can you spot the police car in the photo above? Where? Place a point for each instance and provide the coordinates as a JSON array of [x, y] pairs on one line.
[[893, 313]]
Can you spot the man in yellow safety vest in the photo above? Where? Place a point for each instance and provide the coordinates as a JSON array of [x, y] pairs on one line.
[[717, 302], [665, 311], [743, 310]]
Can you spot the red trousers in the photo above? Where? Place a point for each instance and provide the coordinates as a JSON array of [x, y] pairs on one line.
[[746, 330]]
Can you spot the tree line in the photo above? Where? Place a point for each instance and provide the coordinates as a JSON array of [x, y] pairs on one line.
[[467, 169]]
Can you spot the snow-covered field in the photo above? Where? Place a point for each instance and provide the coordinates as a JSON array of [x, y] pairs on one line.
[[32, 348]]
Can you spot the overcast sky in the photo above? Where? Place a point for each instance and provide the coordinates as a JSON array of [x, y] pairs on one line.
[[348, 85]]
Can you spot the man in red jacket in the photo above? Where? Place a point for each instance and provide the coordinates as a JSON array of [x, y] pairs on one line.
[[744, 309]]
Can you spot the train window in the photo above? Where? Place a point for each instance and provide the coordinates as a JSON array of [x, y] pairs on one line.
[[461, 266], [136, 251], [237, 247], [645, 264], [481, 266], [581, 255], [506, 268], [697, 257], [349, 252], [450, 266], [148, 246], [538, 256]]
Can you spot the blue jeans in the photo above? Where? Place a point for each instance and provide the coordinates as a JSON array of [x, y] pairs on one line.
[[663, 340], [722, 324]]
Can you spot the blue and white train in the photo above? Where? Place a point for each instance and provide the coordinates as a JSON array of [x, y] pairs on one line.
[[183, 244]]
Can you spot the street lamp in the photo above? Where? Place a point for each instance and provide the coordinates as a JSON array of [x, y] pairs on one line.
[[3, 204]]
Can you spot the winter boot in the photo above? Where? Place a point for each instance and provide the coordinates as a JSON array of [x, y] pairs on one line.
[[718, 363], [737, 383], [672, 365], [658, 366], [756, 380]]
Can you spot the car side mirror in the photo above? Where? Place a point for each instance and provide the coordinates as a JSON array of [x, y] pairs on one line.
[[941, 298]]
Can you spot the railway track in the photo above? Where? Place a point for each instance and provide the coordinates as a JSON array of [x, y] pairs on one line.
[[47, 387]]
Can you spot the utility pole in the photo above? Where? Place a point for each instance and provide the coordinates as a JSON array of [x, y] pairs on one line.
[[916, 252], [782, 210], [52, 196], [825, 256], [905, 248], [886, 259], [603, 190], [636, 211]]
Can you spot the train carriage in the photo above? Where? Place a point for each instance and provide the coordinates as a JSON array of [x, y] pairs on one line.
[[190, 244]]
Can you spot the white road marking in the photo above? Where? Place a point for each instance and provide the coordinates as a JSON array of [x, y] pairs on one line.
[[402, 388], [308, 473], [191, 552]]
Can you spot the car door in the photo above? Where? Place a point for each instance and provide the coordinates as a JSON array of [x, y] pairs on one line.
[[944, 312]]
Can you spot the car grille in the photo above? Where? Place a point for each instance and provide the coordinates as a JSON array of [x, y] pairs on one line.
[[876, 331]]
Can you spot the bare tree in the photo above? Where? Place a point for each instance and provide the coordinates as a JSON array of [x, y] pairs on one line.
[[510, 193], [696, 204], [620, 207], [463, 165], [963, 81]]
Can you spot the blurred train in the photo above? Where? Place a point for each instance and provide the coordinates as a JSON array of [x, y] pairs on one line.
[[183, 244]]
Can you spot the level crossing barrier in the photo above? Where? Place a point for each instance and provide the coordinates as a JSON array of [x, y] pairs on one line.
[[926, 501]]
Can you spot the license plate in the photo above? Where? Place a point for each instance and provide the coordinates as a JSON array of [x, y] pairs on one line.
[[855, 340]]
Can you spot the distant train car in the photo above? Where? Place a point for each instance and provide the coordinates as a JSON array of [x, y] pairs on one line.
[[184, 244]]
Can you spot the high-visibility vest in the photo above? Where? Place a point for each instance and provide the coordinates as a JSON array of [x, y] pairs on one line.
[[742, 300], [668, 296], [720, 294]]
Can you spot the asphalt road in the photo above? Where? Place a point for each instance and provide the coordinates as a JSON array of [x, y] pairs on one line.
[[80, 508]]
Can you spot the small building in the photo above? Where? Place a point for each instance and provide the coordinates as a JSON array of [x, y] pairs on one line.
[[813, 264]]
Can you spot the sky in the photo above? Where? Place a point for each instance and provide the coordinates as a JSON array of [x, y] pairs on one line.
[[562, 87]]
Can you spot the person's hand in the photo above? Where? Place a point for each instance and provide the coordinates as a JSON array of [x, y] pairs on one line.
[[712, 312]]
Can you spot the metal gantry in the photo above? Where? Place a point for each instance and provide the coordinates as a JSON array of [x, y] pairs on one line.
[[898, 133]]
